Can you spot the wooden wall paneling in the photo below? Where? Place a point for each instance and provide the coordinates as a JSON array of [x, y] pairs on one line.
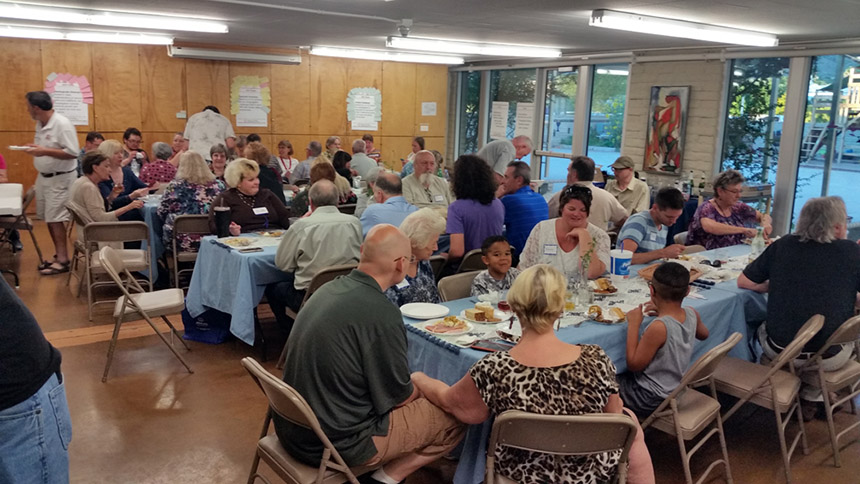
[[116, 87], [162, 80], [361, 73], [393, 149], [21, 72], [207, 83], [150, 137], [432, 86], [398, 98], [328, 96], [299, 141], [291, 98], [73, 58], [19, 165], [248, 69]]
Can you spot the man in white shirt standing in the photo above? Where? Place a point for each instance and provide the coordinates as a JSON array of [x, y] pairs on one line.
[[54, 151], [208, 128]]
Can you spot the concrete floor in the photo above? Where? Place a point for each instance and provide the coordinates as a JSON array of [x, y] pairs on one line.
[[152, 422]]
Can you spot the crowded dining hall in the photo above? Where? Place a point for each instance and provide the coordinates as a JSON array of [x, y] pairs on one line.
[[400, 242]]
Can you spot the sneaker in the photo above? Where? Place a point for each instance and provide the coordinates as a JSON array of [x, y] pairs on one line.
[[17, 246]]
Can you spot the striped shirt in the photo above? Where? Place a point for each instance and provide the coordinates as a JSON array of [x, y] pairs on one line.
[[640, 228]]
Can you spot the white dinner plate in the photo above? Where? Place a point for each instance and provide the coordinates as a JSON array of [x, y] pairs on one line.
[[501, 315], [424, 310], [466, 329], [19, 148]]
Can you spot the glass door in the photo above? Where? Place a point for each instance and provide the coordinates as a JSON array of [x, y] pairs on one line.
[[561, 86]]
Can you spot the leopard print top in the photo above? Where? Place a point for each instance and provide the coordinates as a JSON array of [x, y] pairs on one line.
[[580, 387]]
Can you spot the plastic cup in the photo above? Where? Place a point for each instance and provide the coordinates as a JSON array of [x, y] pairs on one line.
[[222, 221], [620, 263]]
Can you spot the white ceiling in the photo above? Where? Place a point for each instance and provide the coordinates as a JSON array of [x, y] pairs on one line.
[[559, 23]]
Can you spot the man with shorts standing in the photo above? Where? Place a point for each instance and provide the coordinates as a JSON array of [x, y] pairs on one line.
[[54, 151]]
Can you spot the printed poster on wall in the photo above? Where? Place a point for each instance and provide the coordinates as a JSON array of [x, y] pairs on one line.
[[250, 100], [364, 108], [499, 120], [525, 119], [71, 94]]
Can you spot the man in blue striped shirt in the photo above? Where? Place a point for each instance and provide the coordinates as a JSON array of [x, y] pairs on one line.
[[644, 233], [524, 208]]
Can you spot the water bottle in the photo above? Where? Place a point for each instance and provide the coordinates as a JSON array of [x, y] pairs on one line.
[[757, 245]]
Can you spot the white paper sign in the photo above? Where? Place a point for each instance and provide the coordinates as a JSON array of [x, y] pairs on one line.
[[428, 109], [525, 119], [499, 121], [69, 101], [252, 111], [364, 125]]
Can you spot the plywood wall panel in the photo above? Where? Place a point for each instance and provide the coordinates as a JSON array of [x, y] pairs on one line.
[[398, 98], [162, 80], [431, 86], [291, 98], [73, 58], [19, 165], [207, 83], [360, 73], [328, 95], [248, 69], [116, 87], [21, 72]]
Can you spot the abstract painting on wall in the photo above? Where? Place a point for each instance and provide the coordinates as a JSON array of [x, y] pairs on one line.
[[667, 120]]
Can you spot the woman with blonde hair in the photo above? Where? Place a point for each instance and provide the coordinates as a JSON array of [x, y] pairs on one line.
[[190, 193], [541, 374], [122, 186], [251, 207], [269, 179], [423, 228]]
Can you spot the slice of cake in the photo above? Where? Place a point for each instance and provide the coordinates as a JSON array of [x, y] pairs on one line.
[[475, 315], [487, 309]]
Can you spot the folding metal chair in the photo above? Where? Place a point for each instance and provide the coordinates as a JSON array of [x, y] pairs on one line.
[[472, 262], [561, 435], [457, 286], [437, 262], [146, 305], [287, 403], [186, 224], [771, 387]]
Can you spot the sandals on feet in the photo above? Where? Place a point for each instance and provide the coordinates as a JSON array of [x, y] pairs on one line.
[[50, 270], [47, 263]]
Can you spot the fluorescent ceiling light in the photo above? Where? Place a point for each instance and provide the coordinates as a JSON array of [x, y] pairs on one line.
[[109, 19], [679, 28], [470, 48], [84, 36], [384, 55], [232, 55]]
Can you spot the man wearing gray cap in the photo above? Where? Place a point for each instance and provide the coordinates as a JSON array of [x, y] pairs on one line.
[[634, 194]]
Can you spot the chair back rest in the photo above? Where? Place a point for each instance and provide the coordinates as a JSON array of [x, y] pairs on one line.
[[115, 231], [191, 224], [113, 264], [285, 401], [680, 238], [472, 262], [327, 274], [457, 286], [693, 249], [705, 366], [79, 215], [437, 263], [347, 208], [28, 198], [804, 334], [563, 434], [847, 333]]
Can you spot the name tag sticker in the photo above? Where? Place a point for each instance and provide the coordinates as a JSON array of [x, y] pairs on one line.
[[261, 211], [402, 284], [550, 249], [438, 199], [653, 237]]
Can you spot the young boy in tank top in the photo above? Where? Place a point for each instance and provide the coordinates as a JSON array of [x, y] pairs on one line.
[[659, 352]]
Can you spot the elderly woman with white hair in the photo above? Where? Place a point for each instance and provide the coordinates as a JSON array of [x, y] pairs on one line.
[[251, 207], [423, 228], [190, 193], [815, 270], [365, 198], [160, 170]]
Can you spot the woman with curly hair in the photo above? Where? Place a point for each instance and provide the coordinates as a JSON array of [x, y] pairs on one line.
[[477, 213]]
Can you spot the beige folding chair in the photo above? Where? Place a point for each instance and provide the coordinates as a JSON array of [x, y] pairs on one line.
[[327, 274], [287, 403], [134, 259], [347, 208], [693, 249], [22, 222], [686, 413], [847, 377], [457, 286], [437, 262], [472, 262], [681, 238], [771, 387], [186, 224], [561, 435], [146, 305]]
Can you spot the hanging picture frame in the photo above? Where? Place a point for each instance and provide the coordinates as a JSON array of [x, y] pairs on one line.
[[667, 122]]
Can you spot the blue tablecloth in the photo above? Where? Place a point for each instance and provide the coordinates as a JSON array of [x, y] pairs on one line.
[[232, 282], [722, 312], [156, 246]]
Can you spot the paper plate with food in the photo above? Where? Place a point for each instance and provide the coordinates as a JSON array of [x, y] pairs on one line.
[[448, 326], [237, 241], [603, 286], [611, 316], [272, 233], [484, 313]]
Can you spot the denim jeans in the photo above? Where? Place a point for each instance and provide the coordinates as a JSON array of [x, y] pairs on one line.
[[35, 436]]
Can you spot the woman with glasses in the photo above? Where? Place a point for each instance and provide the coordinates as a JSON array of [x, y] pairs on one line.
[[724, 220], [423, 228], [565, 241]]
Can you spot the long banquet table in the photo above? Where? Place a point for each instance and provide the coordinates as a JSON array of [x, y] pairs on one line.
[[723, 310]]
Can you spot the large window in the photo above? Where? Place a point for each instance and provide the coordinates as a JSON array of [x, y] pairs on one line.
[[606, 122], [830, 146], [470, 99], [511, 87], [559, 108]]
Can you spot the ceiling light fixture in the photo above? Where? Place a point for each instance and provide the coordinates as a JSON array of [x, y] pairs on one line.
[[679, 28], [109, 19], [233, 55], [84, 36], [470, 48], [384, 55]]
